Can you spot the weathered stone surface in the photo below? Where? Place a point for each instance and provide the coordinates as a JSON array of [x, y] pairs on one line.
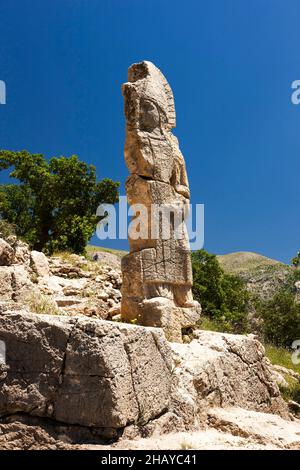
[[17, 435], [285, 371], [115, 379], [93, 285], [268, 430], [6, 289], [78, 371], [6, 253], [107, 258], [218, 369], [163, 314], [22, 253], [228, 429], [15, 283], [158, 266], [79, 286], [23, 288], [100, 374], [39, 263]]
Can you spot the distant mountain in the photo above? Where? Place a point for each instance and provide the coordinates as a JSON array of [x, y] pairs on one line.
[[264, 276], [245, 260]]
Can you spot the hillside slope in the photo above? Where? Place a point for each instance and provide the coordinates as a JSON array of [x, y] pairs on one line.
[[264, 276], [241, 261]]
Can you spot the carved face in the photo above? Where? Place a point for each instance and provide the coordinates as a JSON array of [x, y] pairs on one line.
[[149, 115]]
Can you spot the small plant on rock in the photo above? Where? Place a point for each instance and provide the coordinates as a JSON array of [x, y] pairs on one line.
[[43, 304]]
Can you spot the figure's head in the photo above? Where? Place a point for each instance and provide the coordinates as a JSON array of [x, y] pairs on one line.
[[149, 101], [149, 117]]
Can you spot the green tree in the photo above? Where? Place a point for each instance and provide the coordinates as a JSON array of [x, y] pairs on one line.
[[296, 260], [54, 205], [235, 301], [281, 318], [207, 287], [223, 297]]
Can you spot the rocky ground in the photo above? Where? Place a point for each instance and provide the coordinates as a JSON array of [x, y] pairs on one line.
[[64, 284], [74, 379], [230, 429]]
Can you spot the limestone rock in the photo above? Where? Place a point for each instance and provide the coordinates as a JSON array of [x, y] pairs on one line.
[[6, 289], [285, 371], [130, 374], [15, 283], [22, 253], [105, 257], [15, 274], [231, 428], [6, 253], [294, 407], [163, 314], [259, 427], [218, 369], [22, 285], [81, 287], [39, 263], [67, 301], [279, 379], [78, 371]]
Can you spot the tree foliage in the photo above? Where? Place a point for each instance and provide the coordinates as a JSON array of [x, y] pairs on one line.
[[54, 204], [281, 318], [296, 260], [223, 297]]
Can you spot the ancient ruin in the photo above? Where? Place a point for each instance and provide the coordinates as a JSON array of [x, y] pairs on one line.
[[157, 273], [73, 376]]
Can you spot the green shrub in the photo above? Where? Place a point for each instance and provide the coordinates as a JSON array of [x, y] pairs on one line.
[[223, 297], [281, 318], [296, 260]]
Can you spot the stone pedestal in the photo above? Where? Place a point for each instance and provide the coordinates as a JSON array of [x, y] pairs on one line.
[[162, 313]]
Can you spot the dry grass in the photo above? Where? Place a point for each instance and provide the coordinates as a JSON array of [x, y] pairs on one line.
[[92, 249], [42, 304]]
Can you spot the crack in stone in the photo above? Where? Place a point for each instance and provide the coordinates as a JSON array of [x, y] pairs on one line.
[[63, 366], [253, 368], [126, 349], [49, 420], [169, 366]]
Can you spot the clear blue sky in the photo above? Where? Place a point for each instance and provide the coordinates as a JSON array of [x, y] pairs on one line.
[[230, 64]]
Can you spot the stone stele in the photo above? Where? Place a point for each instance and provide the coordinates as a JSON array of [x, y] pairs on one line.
[[157, 273]]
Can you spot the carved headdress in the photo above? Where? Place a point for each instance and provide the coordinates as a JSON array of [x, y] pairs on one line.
[[145, 80]]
